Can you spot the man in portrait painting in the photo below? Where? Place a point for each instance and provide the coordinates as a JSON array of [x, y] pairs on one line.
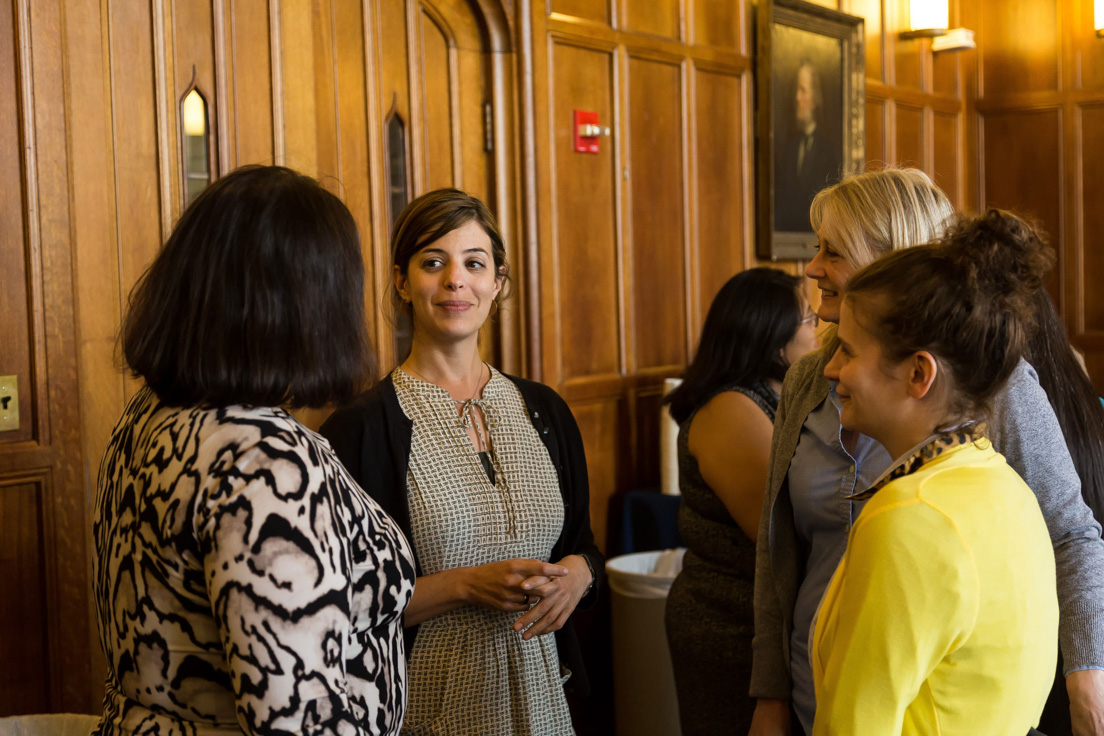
[[808, 159]]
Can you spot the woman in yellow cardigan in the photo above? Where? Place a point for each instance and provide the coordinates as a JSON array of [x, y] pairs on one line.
[[942, 616]]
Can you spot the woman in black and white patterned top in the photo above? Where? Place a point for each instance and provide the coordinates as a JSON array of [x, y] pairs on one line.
[[486, 474], [244, 582]]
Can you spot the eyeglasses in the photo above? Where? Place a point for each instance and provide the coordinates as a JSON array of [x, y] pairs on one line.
[[811, 318]]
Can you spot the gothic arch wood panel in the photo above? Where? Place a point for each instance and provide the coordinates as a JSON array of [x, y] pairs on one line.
[[439, 83]]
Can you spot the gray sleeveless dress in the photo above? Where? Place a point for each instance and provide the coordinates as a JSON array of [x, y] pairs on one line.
[[710, 621]]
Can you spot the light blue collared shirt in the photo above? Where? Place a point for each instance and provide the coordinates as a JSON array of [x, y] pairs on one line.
[[821, 478]]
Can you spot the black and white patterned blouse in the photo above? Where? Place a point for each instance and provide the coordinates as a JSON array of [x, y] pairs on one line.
[[243, 581], [470, 672]]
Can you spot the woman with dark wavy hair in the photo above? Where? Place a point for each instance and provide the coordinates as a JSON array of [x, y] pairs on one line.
[[759, 323], [244, 582]]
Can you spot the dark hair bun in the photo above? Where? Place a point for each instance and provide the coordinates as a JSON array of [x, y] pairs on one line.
[[1002, 258], [967, 299]]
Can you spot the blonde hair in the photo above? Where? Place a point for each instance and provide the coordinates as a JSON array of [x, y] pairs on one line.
[[867, 215]]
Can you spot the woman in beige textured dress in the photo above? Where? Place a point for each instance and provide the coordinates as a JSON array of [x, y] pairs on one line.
[[486, 474]]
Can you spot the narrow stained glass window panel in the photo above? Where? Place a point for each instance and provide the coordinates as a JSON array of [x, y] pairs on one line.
[[398, 198], [396, 166], [197, 169]]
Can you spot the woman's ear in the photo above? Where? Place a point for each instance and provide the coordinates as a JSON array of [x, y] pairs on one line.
[[500, 280], [922, 370], [399, 280]]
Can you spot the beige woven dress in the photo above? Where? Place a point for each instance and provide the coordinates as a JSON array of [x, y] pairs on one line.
[[470, 672]]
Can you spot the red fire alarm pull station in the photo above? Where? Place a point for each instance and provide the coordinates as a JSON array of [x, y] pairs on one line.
[[587, 130]]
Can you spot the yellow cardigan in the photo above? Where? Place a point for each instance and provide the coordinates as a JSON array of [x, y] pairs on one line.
[[942, 617]]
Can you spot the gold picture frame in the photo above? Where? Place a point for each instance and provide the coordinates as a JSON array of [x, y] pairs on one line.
[[810, 97]]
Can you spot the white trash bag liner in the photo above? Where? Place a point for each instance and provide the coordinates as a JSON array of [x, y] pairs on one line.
[[645, 574]]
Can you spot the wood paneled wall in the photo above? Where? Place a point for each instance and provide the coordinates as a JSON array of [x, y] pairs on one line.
[[915, 100], [1038, 136], [616, 256], [45, 646], [291, 83], [636, 240], [91, 164]]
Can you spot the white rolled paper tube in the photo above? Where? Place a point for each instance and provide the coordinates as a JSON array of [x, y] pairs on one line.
[[668, 445]]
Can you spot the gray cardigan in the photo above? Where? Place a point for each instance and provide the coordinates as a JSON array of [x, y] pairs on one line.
[[1024, 429]]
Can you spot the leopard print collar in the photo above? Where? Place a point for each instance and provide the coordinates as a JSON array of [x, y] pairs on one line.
[[931, 448]]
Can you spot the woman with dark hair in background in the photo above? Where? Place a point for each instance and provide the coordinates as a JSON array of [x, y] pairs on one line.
[[486, 475], [759, 323], [1075, 400], [1077, 406], [243, 581]]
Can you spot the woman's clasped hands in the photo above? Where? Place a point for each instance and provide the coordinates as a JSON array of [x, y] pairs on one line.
[[556, 597], [547, 593]]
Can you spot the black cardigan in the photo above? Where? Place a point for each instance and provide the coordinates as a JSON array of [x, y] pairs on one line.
[[372, 436]]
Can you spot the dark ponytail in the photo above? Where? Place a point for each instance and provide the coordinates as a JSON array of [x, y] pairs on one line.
[[968, 299], [1073, 397]]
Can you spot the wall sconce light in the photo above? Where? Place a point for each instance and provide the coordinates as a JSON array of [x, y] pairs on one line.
[[1098, 18], [928, 18], [195, 115], [931, 18]]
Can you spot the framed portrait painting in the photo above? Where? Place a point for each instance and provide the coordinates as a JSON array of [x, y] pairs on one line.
[[809, 117]]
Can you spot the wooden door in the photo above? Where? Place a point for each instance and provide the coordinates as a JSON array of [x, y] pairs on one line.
[[46, 640], [436, 84]]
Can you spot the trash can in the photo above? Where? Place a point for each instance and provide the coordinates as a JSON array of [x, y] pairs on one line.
[[644, 696]]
